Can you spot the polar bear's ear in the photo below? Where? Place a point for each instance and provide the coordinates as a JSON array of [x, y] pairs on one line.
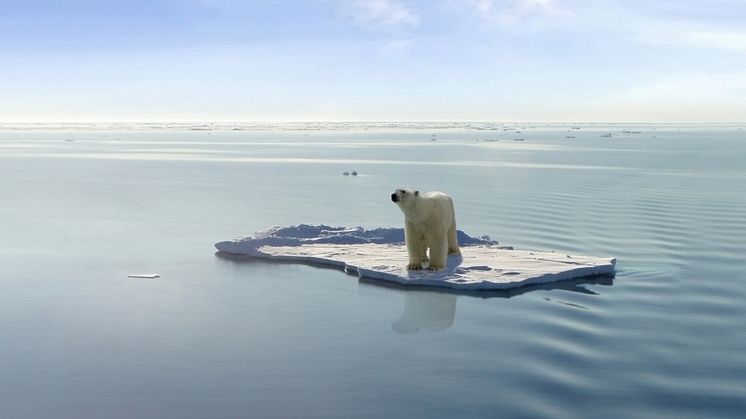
[[416, 193]]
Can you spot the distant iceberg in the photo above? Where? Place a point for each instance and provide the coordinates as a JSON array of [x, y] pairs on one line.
[[380, 254]]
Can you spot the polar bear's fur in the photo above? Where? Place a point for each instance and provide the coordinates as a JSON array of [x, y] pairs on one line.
[[429, 223]]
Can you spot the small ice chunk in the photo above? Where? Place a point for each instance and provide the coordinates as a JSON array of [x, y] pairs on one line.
[[478, 268], [143, 276]]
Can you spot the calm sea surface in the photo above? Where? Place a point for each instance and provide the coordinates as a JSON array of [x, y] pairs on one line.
[[219, 338]]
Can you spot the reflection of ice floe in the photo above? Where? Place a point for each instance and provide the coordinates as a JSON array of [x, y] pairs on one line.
[[380, 254]]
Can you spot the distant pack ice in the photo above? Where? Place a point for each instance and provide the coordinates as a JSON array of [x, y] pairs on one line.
[[380, 254]]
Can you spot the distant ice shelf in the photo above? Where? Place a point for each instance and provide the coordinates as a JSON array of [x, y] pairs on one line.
[[380, 254]]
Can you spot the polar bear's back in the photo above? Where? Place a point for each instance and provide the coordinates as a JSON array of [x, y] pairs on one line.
[[438, 198], [436, 195], [435, 203]]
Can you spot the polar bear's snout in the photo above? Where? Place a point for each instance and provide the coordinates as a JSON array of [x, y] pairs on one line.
[[394, 198]]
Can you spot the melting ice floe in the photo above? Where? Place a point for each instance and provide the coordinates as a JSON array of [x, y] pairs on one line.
[[380, 254]]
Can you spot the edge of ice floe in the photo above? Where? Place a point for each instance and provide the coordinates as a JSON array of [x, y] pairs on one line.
[[298, 236], [303, 234]]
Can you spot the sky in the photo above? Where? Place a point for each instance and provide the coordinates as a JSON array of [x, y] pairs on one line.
[[373, 60]]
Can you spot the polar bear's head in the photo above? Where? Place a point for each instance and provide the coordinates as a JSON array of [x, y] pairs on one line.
[[404, 198]]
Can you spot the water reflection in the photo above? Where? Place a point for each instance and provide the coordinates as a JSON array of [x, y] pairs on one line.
[[434, 308], [426, 310], [574, 285]]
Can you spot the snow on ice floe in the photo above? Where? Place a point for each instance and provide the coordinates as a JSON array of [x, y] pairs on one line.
[[380, 254]]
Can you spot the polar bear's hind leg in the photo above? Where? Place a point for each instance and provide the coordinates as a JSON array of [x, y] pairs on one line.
[[453, 248]]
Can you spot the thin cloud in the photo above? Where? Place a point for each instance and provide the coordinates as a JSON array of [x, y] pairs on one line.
[[397, 48], [516, 10], [676, 24], [721, 40], [381, 14]]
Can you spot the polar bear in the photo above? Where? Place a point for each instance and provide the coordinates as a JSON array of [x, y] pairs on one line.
[[429, 223]]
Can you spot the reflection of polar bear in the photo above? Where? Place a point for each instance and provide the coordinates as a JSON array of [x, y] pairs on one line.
[[424, 310], [429, 223]]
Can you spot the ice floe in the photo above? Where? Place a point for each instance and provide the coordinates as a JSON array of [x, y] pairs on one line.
[[380, 254]]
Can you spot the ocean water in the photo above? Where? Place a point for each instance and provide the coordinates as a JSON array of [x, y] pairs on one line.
[[81, 207]]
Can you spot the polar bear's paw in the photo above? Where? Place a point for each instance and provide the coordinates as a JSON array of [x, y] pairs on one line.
[[414, 267]]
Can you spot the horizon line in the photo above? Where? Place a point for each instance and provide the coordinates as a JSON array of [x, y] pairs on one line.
[[353, 121]]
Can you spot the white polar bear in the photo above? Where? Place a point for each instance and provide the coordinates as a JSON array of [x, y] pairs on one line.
[[429, 223]]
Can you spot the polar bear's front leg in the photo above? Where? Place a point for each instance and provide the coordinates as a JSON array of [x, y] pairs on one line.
[[416, 248], [438, 254]]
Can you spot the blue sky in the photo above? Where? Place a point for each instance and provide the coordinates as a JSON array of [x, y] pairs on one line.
[[373, 60]]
